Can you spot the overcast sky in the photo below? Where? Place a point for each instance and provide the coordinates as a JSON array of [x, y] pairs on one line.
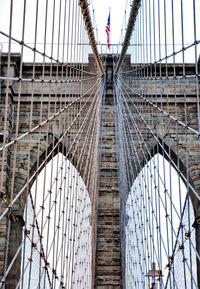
[[117, 8], [101, 10]]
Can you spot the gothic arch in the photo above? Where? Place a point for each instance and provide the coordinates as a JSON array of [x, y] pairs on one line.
[[17, 230]]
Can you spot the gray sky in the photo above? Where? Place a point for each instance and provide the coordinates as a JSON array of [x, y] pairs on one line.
[[101, 10]]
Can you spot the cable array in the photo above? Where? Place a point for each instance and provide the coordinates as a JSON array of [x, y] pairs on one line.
[[157, 120], [50, 103]]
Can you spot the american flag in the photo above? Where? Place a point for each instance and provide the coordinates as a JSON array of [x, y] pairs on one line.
[[108, 31]]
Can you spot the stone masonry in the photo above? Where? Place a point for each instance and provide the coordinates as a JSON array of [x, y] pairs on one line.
[[55, 95], [108, 259]]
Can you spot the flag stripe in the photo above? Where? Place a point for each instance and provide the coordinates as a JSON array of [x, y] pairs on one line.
[[108, 31]]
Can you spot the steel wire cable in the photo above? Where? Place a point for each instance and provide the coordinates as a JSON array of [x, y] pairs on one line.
[[53, 140], [157, 119]]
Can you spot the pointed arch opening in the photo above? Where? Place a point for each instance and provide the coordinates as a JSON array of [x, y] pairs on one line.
[[159, 237], [57, 239]]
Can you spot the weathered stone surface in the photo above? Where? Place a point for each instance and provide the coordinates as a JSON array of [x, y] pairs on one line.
[[53, 98], [108, 257], [185, 152]]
